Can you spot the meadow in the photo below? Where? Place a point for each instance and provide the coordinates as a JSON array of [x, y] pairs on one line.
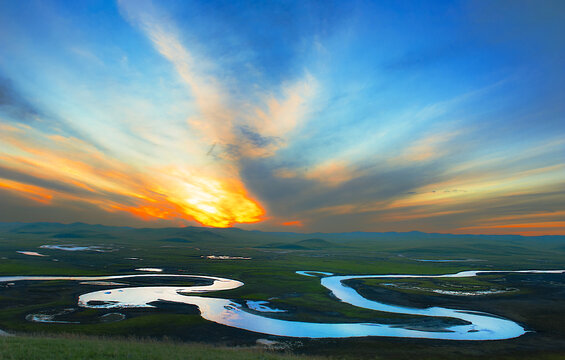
[[267, 264]]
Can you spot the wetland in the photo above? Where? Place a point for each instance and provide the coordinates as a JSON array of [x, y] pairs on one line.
[[304, 295]]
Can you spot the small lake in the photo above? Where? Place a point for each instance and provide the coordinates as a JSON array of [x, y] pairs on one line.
[[71, 247], [30, 253]]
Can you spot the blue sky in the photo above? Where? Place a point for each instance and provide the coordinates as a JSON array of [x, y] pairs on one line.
[[303, 116]]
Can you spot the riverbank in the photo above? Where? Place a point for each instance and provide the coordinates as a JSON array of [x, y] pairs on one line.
[[472, 325]]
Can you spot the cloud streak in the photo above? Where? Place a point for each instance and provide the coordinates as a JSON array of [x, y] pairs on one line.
[[306, 117]]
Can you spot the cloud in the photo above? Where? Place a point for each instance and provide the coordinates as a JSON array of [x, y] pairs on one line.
[[428, 148], [331, 173], [22, 177], [12, 102], [284, 113], [297, 223], [242, 130], [290, 193], [43, 172]]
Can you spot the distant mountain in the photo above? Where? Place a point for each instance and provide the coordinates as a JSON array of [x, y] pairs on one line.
[[177, 240], [289, 240], [47, 227], [307, 244]]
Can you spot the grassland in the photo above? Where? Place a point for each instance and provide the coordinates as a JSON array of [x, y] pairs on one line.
[[535, 301], [94, 348]]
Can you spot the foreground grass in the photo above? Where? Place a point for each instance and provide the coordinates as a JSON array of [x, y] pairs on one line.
[[70, 346], [81, 347]]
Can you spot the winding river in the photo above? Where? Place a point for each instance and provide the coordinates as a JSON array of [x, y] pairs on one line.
[[480, 325]]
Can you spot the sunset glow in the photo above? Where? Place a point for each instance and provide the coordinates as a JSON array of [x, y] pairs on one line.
[[296, 116]]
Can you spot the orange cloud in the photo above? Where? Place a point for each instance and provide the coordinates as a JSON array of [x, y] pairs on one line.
[[545, 224], [149, 193], [526, 228], [293, 223], [553, 214], [35, 193], [331, 173], [418, 215]]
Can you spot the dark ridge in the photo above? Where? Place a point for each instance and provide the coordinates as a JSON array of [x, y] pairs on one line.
[[315, 243], [83, 235], [68, 236], [210, 233], [287, 246], [306, 244], [199, 233], [177, 240]]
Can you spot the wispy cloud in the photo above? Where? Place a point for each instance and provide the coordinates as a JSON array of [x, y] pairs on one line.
[[242, 130], [428, 148], [304, 116], [45, 172], [331, 173], [12, 102]]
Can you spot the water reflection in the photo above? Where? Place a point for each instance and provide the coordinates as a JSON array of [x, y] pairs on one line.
[[479, 325]]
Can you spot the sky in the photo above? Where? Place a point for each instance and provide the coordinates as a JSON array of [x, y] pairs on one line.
[[304, 116]]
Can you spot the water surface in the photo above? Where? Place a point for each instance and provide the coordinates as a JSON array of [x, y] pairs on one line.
[[479, 325]]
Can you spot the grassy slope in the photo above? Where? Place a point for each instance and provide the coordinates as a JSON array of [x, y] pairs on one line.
[[73, 347]]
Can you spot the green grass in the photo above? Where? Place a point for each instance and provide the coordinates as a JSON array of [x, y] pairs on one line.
[[72, 346], [270, 275], [81, 347]]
